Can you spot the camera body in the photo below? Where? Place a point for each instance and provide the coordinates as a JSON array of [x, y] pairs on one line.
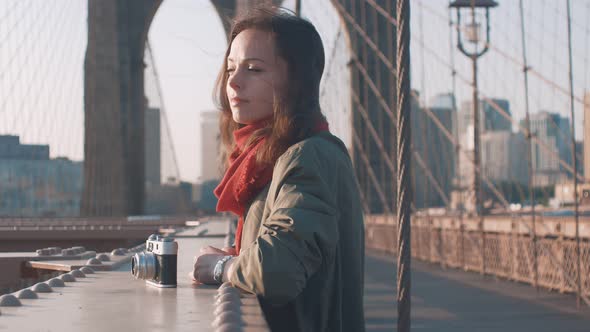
[[157, 264]]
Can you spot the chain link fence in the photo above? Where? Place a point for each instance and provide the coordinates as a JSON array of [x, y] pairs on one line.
[[499, 246]]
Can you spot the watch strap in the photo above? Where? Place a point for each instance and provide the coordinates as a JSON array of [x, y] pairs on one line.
[[218, 270]]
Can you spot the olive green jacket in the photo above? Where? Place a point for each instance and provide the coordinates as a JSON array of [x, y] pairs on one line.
[[303, 241]]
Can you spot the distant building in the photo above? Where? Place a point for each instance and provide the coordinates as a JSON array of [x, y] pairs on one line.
[[493, 119], [10, 148], [443, 100], [580, 156], [437, 156], [209, 163], [153, 154], [169, 199], [495, 129], [209, 145], [490, 118], [32, 185], [586, 141], [554, 133], [504, 157], [203, 197], [564, 194]]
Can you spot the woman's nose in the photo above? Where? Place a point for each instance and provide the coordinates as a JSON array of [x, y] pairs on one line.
[[233, 82], [233, 85]]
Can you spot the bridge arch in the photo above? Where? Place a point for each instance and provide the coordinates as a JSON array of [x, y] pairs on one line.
[[114, 151]]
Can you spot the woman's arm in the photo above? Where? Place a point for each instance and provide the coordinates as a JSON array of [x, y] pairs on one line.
[[299, 234]]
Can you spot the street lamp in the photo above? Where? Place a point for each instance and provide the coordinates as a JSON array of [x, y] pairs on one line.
[[472, 34]]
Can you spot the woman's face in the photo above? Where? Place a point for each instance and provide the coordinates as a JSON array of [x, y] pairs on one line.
[[256, 75]]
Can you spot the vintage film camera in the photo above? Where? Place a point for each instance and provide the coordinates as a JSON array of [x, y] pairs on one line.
[[157, 264]]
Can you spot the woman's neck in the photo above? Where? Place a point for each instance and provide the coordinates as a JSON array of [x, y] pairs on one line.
[[241, 135]]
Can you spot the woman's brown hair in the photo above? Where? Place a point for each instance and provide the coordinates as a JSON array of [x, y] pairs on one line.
[[297, 112]]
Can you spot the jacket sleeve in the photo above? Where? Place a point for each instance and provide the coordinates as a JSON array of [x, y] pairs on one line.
[[299, 234]]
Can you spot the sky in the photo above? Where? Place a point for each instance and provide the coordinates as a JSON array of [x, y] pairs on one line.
[[42, 45], [500, 69], [188, 44]]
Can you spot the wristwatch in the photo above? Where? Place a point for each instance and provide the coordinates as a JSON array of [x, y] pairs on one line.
[[218, 270]]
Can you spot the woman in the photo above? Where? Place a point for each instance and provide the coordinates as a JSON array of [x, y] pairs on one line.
[[300, 238]]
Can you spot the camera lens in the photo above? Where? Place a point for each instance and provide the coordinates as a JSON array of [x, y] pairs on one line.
[[143, 265]]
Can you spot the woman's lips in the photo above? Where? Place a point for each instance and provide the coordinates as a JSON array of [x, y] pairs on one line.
[[237, 101]]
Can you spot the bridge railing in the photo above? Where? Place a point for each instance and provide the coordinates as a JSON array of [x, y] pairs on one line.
[[82, 223], [500, 246], [105, 276]]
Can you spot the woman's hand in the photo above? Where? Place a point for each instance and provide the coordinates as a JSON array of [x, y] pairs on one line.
[[205, 263], [230, 251]]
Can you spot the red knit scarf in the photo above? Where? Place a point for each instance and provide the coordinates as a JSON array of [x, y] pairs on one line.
[[245, 178]]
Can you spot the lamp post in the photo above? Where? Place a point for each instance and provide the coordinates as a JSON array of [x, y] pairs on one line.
[[472, 31], [298, 8]]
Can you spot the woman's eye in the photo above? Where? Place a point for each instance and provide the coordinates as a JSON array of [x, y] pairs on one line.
[[254, 69], [230, 70]]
